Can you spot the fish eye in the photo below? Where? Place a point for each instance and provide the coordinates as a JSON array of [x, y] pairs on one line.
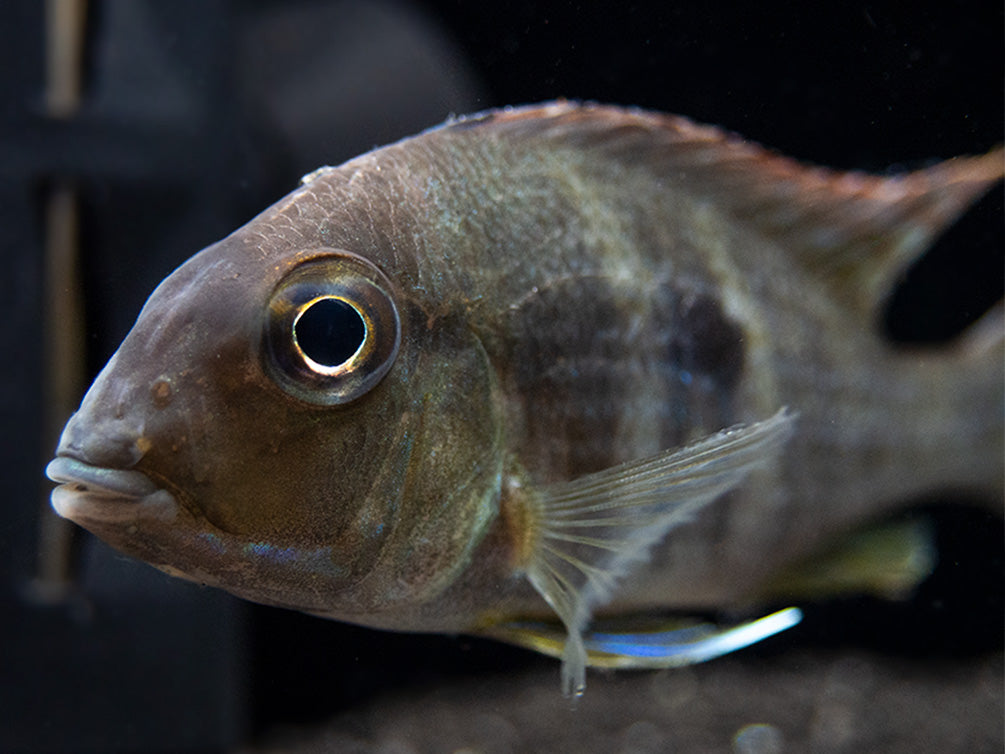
[[332, 329], [328, 332]]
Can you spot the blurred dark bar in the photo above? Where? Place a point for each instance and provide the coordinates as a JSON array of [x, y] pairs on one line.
[[63, 295], [100, 654]]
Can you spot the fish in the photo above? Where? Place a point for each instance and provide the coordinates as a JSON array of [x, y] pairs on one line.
[[567, 375]]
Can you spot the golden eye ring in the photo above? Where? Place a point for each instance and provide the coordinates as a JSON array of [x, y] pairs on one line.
[[332, 329]]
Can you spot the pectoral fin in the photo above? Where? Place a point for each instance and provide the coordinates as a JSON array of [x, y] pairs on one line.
[[592, 531], [660, 643]]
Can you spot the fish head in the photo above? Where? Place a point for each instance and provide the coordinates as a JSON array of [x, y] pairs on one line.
[[285, 422]]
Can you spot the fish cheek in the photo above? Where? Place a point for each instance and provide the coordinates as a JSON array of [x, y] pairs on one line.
[[441, 472], [285, 499], [279, 477], [216, 438]]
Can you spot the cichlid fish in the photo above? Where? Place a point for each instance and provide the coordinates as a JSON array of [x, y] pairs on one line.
[[563, 365]]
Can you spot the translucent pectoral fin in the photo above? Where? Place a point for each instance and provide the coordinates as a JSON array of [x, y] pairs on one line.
[[661, 643], [592, 531]]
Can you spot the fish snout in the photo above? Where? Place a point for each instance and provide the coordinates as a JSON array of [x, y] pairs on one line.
[[101, 440], [94, 465], [97, 485]]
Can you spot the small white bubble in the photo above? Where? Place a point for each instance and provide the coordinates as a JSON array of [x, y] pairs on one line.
[[643, 737], [675, 688]]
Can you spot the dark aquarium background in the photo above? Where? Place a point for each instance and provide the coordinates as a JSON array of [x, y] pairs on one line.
[[175, 122]]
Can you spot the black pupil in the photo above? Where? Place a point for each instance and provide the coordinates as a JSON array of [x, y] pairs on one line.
[[329, 332]]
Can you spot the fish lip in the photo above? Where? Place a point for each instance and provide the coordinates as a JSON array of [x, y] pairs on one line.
[[97, 481], [98, 497]]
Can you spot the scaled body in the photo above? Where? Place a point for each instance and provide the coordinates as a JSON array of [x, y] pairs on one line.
[[545, 294]]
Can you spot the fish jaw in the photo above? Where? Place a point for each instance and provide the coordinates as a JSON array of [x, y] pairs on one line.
[[129, 511], [100, 487], [95, 497]]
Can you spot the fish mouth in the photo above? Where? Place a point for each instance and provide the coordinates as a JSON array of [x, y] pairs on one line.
[[88, 493]]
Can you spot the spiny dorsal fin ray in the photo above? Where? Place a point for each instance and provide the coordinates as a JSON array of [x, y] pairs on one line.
[[855, 231], [593, 530]]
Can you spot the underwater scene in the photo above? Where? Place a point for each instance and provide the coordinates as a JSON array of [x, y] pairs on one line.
[[409, 376]]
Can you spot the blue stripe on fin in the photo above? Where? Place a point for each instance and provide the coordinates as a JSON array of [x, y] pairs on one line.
[[685, 646]]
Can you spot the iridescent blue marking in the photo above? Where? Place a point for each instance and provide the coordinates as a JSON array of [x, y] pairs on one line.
[[678, 636], [317, 561], [215, 543], [694, 644], [276, 554]]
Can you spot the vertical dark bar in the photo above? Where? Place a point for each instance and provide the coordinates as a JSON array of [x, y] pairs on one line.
[[62, 297]]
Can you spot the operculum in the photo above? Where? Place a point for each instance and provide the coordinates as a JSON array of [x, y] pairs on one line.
[[441, 483]]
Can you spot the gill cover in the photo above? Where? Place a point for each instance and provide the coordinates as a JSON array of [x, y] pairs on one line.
[[332, 329]]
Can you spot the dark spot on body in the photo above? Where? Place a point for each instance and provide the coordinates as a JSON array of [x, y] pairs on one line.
[[703, 359], [588, 361], [706, 342]]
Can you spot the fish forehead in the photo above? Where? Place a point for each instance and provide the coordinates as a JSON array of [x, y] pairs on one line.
[[467, 209]]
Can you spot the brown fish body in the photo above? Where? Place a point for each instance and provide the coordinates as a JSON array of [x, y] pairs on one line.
[[575, 288], [622, 314]]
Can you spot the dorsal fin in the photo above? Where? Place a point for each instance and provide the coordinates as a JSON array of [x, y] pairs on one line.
[[854, 231]]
